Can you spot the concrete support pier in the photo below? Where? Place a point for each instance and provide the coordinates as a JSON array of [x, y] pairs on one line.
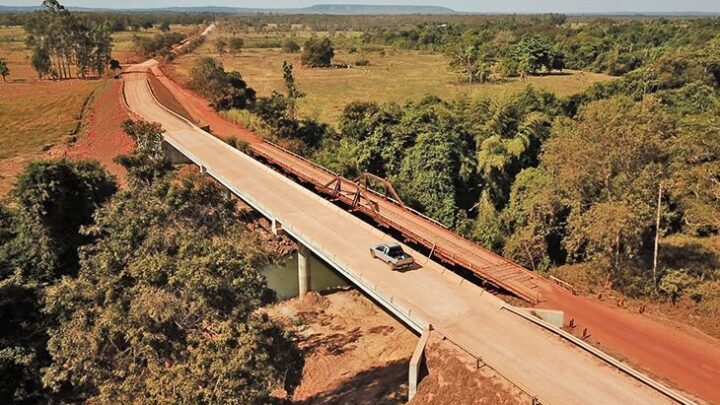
[[303, 269]]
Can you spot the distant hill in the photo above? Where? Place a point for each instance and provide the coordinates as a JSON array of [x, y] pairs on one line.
[[348, 9], [339, 9]]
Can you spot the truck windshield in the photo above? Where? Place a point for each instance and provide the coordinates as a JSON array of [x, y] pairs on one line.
[[395, 251]]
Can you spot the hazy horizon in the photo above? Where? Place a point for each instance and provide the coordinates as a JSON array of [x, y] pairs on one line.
[[488, 6]]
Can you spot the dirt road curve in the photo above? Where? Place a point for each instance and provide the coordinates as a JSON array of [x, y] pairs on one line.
[[555, 371], [685, 360]]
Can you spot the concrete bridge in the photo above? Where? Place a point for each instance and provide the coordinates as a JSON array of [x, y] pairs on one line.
[[550, 366]]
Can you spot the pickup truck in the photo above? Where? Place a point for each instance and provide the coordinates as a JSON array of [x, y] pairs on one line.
[[392, 254]]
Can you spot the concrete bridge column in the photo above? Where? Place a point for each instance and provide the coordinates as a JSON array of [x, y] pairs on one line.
[[303, 269], [276, 227]]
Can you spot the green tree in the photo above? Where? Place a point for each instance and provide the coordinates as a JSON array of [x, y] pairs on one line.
[[225, 90], [62, 196], [165, 26], [235, 44], [622, 149], [435, 170], [4, 70], [533, 221], [167, 297], [471, 62], [41, 63], [221, 46], [39, 241], [115, 67], [61, 41], [147, 162], [533, 54], [317, 52], [293, 92], [695, 173], [290, 46]]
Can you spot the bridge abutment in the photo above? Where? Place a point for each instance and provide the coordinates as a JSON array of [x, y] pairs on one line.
[[303, 270], [416, 363], [173, 155]]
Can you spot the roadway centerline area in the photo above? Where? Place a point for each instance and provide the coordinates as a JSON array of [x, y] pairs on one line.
[[553, 370]]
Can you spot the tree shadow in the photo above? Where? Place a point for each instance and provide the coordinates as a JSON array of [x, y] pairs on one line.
[[385, 384], [553, 73], [689, 255], [334, 344]]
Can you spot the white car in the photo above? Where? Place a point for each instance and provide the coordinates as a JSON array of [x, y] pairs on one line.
[[392, 254]]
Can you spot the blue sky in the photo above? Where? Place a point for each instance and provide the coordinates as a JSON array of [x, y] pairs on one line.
[[515, 6]]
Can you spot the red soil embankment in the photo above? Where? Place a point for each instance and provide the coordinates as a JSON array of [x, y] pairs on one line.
[[102, 137], [355, 353], [453, 378]]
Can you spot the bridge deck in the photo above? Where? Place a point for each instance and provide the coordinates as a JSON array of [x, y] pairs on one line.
[[551, 369], [446, 245]]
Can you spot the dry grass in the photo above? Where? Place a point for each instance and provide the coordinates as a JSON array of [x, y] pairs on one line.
[[37, 113], [123, 46], [395, 76]]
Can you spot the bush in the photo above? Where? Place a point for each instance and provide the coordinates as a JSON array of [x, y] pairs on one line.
[[232, 141], [235, 44], [290, 46], [267, 43], [584, 277], [674, 284], [362, 62], [225, 90], [317, 53]]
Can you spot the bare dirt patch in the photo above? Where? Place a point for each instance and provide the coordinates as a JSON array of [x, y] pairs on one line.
[[354, 352], [454, 378]]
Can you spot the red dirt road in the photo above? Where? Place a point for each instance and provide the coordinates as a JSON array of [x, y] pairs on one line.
[[688, 360], [685, 358]]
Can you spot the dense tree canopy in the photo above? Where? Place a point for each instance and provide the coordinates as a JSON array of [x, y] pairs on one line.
[[147, 295], [39, 240], [170, 288]]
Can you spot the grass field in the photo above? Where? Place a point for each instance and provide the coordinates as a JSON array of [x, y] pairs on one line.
[[122, 41], [36, 113], [393, 76]]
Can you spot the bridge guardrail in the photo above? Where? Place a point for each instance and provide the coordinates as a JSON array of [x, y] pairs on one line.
[[535, 398], [601, 355]]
